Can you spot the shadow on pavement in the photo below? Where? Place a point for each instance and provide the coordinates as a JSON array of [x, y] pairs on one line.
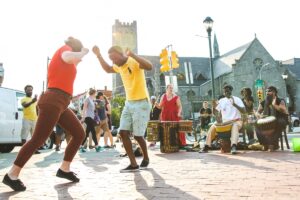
[[227, 159], [62, 190], [53, 157], [160, 190], [181, 155], [8, 160], [96, 159], [7, 195], [286, 156]]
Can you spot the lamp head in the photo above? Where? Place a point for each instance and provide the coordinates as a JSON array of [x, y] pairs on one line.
[[285, 76], [208, 23]]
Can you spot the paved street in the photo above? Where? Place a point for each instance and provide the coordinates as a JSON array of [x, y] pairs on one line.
[[183, 175]]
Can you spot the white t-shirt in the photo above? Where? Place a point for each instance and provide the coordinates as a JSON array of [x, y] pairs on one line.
[[228, 111]]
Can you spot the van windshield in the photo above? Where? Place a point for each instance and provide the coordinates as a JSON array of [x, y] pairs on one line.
[[19, 97]]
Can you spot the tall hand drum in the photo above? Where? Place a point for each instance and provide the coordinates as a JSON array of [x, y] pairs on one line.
[[266, 125], [224, 134]]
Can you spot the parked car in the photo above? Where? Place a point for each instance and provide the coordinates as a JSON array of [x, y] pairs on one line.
[[295, 120], [11, 115]]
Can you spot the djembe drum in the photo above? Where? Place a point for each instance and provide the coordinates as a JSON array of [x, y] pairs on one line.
[[266, 125], [224, 134], [153, 130]]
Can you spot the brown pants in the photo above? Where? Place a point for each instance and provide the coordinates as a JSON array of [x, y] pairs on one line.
[[53, 109]]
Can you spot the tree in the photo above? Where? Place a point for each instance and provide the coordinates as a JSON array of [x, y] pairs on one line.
[[118, 104]]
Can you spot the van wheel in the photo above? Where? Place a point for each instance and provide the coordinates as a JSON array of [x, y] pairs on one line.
[[6, 148]]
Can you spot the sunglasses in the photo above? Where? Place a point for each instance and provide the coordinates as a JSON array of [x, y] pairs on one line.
[[269, 91]]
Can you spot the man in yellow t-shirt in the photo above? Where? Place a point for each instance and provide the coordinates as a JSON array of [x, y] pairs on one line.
[[29, 113], [135, 114]]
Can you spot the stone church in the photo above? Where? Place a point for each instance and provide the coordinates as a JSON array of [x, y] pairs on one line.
[[240, 67]]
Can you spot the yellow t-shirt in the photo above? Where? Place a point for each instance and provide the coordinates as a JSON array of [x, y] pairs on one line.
[[133, 78], [29, 113]]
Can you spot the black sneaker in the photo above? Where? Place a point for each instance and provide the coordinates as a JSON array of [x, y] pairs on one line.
[[233, 149], [130, 169], [205, 149], [67, 175], [144, 164], [16, 185]]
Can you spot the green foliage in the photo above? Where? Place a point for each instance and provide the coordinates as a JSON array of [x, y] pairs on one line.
[[117, 106]]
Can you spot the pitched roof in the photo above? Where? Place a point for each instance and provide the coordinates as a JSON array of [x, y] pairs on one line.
[[223, 64], [294, 66]]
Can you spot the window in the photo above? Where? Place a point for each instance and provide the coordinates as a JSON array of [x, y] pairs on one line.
[[19, 97]]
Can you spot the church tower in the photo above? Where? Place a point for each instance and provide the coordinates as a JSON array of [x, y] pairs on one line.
[[125, 35], [216, 47]]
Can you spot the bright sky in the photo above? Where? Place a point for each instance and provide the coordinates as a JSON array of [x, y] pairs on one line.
[[32, 30]]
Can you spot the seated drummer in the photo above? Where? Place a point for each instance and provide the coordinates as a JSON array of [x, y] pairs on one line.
[[229, 108], [205, 115], [248, 101], [272, 106]]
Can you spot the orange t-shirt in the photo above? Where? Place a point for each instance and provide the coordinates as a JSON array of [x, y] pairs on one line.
[[61, 75]]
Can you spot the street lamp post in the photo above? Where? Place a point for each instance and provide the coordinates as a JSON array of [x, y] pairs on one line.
[[208, 23], [285, 77], [262, 69]]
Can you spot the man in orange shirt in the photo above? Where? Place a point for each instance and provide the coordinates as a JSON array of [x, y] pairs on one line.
[[135, 114]]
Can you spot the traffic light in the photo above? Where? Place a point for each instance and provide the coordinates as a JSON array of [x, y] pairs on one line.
[[164, 61], [260, 94], [174, 60]]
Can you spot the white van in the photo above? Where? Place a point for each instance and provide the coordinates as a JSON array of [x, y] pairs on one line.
[[11, 116]]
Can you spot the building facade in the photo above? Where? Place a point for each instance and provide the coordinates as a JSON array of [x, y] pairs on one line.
[[240, 67]]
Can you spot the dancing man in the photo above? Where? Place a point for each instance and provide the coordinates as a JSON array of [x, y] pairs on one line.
[[135, 114], [53, 109]]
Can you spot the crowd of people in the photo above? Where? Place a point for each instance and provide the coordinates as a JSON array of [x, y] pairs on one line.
[[267, 122], [51, 110]]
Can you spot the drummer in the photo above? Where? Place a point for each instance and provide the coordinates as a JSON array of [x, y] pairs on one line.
[[248, 101], [272, 106], [154, 114], [228, 109], [205, 115]]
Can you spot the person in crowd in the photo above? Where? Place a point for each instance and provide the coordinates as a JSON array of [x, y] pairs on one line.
[[108, 112], [154, 114], [135, 114], [53, 109], [88, 116], [228, 109], [272, 106], [29, 114], [103, 124], [205, 116], [249, 116], [171, 110]]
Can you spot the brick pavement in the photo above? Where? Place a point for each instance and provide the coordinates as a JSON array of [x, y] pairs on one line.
[[183, 175]]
